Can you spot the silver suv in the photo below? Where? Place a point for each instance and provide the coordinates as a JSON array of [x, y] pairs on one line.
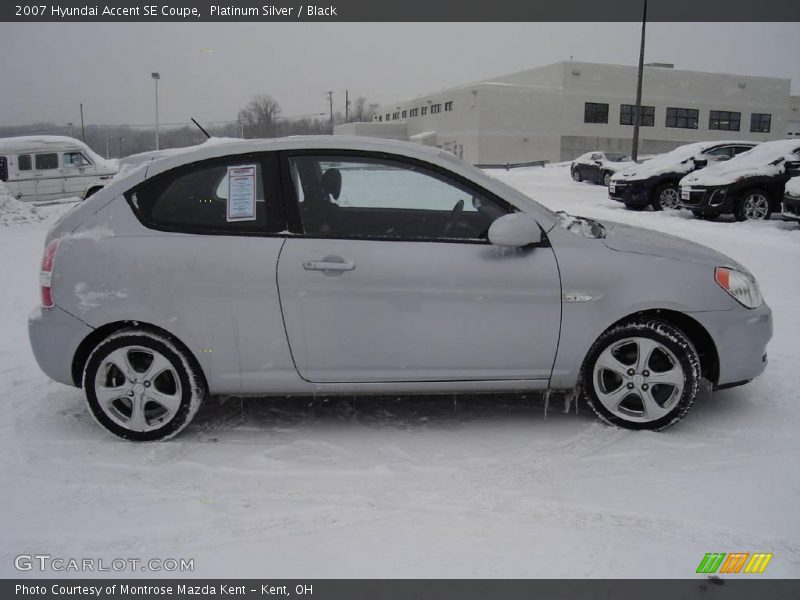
[[334, 265]]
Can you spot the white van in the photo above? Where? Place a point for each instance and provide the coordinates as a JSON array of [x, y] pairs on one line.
[[49, 167]]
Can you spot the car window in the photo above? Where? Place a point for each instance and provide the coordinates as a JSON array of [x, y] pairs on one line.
[[24, 162], [221, 196], [46, 161], [739, 149], [616, 156], [366, 197], [722, 153], [73, 159], [3, 169], [596, 157]]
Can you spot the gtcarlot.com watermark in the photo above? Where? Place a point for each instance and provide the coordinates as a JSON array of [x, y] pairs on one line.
[[58, 564]]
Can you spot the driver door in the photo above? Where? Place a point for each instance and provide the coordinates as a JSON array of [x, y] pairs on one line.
[[392, 278]]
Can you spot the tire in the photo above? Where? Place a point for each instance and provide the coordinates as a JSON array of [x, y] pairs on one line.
[[117, 380], [754, 205], [576, 175], [92, 192], [666, 197], [638, 401], [606, 178]]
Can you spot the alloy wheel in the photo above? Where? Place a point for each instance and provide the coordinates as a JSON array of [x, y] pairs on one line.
[[138, 388], [638, 379], [668, 198], [755, 207]]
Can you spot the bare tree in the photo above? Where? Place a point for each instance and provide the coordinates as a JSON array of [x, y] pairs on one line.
[[260, 116], [362, 110]]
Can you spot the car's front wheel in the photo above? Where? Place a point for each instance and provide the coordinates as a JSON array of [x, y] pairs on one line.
[[141, 386], [606, 178], [754, 206], [576, 175], [642, 374], [666, 197]]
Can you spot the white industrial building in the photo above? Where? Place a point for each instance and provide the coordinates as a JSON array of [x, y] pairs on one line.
[[559, 111]]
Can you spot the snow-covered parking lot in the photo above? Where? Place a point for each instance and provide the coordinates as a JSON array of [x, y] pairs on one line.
[[466, 487]]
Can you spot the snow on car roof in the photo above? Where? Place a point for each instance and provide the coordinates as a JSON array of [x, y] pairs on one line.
[[757, 161]]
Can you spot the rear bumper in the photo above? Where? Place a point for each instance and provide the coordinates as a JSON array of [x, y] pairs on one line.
[[55, 336], [741, 336]]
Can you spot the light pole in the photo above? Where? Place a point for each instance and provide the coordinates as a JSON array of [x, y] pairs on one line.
[[121, 139], [637, 111], [156, 77]]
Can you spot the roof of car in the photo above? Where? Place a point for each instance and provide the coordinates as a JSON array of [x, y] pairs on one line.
[[169, 159], [37, 142]]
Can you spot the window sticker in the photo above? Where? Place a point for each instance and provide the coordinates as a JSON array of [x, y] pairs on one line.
[[242, 193]]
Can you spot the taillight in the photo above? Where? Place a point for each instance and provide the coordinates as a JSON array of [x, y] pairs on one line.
[[46, 274]]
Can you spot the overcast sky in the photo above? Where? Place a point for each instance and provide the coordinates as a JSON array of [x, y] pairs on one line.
[[210, 70]]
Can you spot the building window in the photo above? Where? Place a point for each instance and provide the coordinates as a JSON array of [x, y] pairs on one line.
[[424, 110], [595, 112], [380, 118], [436, 108], [405, 114], [395, 116], [760, 122], [724, 120], [448, 106], [388, 116], [24, 162], [682, 118], [646, 119], [413, 112]]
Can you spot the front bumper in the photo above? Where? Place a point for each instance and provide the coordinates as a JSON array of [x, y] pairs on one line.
[[741, 336], [55, 336], [634, 194], [712, 200], [791, 207]]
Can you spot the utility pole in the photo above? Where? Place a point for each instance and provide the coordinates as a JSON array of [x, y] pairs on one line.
[[346, 106], [70, 129], [637, 111], [107, 134], [330, 102], [83, 131], [121, 139], [241, 126]]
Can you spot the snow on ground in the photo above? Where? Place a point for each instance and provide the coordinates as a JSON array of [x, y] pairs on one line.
[[469, 487]]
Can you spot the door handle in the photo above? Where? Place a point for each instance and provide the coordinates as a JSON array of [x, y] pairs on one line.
[[327, 265]]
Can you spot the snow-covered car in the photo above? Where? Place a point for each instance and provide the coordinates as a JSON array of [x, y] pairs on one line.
[[46, 167], [598, 167], [791, 199], [336, 265], [655, 182], [749, 186]]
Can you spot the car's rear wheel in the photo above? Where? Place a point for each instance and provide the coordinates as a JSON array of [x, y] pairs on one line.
[[642, 374], [141, 386], [666, 197], [576, 174], [606, 178], [754, 206]]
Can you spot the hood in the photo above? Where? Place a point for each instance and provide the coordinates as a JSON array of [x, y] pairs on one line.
[[766, 159], [625, 238]]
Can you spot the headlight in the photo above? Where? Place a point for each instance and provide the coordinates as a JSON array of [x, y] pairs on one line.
[[743, 288]]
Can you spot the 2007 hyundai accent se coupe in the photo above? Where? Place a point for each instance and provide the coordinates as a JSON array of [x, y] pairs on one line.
[[340, 265]]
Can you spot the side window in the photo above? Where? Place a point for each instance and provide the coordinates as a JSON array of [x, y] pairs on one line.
[[596, 157], [723, 153], [73, 159], [739, 149], [46, 161], [3, 168], [216, 196], [24, 162], [366, 197]]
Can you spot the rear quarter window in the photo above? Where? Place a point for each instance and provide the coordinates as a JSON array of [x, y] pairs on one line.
[[195, 199]]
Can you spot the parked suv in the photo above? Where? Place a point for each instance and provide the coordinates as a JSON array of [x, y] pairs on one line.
[[655, 182], [598, 167], [749, 186], [335, 265], [791, 199]]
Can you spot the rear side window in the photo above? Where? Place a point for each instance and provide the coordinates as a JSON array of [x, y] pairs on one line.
[[46, 161], [3, 169], [24, 162], [233, 196]]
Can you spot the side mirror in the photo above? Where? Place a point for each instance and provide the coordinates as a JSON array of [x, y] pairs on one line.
[[700, 163], [515, 230], [792, 167]]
